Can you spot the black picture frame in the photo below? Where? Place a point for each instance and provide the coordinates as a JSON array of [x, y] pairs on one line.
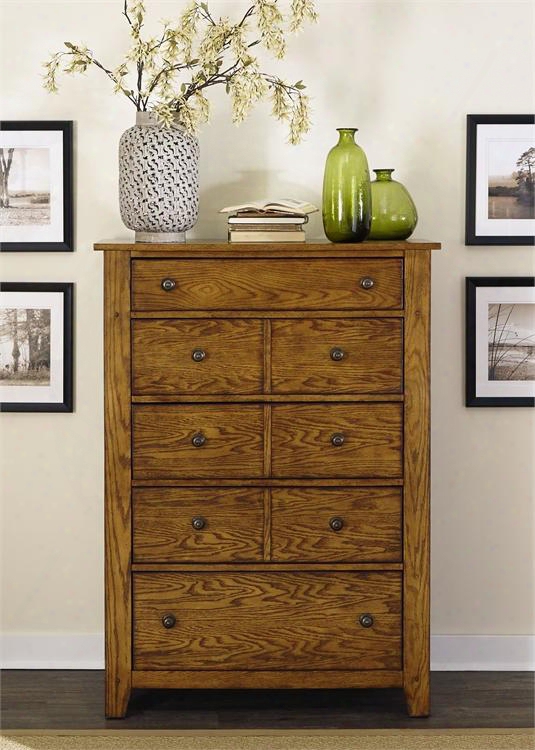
[[475, 173], [65, 404], [473, 318], [66, 242]]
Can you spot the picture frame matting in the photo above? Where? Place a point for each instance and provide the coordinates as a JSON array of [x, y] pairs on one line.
[[36, 186], [500, 341], [500, 180], [36, 346]]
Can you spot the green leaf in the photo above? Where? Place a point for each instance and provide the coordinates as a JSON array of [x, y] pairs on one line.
[[204, 6], [69, 45], [227, 87], [299, 86]]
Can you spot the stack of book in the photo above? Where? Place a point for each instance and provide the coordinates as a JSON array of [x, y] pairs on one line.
[[268, 221]]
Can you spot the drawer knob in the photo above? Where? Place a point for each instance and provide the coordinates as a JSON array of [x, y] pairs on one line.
[[169, 621], [367, 282], [198, 523], [366, 621], [168, 284], [336, 523], [337, 354], [337, 439], [198, 355], [198, 440]]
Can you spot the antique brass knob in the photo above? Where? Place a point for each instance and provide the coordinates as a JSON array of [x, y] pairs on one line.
[[198, 523], [169, 621], [198, 355], [366, 621], [337, 439], [337, 354], [198, 440], [336, 523], [367, 282], [168, 284]]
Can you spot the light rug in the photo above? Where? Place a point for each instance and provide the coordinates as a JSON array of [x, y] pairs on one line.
[[409, 739]]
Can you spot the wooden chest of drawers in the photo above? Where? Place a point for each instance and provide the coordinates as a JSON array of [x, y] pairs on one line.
[[267, 467]]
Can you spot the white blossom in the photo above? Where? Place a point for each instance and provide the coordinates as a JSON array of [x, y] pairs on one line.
[[172, 73], [246, 88], [270, 20], [301, 11]]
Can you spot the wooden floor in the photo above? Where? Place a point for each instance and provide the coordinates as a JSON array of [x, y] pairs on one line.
[[74, 700]]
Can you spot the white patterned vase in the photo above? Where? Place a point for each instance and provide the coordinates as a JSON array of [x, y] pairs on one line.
[[158, 180]]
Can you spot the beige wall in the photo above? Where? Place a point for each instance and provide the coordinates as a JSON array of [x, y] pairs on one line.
[[405, 73]]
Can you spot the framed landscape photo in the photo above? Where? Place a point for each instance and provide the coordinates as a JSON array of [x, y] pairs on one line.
[[500, 180], [36, 187], [500, 341], [36, 347]]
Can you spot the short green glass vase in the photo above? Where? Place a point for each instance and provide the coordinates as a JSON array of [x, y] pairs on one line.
[[347, 202], [394, 215]]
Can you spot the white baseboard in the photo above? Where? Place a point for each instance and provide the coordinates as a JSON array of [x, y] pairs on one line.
[[448, 652], [52, 651], [483, 653]]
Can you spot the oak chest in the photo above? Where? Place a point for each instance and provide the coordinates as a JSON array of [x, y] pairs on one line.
[[267, 467]]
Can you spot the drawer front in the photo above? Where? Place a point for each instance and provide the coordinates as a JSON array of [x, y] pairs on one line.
[[274, 284], [197, 356], [197, 441], [197, 525], [336, 525], [337, 356], [267, 621], [337, 440]]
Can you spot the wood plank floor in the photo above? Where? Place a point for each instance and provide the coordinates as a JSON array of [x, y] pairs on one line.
[[61, 699]]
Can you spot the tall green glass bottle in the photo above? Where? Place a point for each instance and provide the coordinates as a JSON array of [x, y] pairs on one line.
[[347, 202]]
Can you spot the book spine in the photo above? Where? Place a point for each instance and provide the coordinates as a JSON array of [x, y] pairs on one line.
[[266, 227], [266, 236], [262, 218]]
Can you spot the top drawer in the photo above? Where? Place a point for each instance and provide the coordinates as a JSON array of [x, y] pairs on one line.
[[268, 284]]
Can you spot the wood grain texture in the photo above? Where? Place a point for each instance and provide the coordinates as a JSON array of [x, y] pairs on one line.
[[372, 356], [264, 314], [296, 679], [267, 440], [268, 482], [162, 440], [162, 361], [266, 593], [302, 433], [163, 529], [274, 284], [270, 621], [326, 567], [267, 355], [416, 618], [267, 524], [371, 529], [199, 248], [117, 519], [267, 398]]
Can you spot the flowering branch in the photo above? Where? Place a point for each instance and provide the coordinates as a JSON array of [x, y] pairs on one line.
[[222, 57]]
